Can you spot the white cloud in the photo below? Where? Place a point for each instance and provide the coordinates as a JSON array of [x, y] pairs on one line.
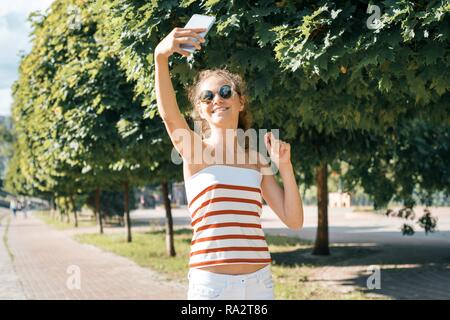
[[14, 39]]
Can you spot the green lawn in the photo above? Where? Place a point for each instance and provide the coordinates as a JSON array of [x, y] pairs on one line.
[[5, 225]]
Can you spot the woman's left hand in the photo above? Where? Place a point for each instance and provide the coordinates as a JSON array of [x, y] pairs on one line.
[[279, 151]]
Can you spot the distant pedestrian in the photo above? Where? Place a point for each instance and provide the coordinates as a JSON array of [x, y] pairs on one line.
[[13, 207]]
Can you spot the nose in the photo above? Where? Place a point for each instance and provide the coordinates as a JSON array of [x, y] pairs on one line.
[[217, 98]]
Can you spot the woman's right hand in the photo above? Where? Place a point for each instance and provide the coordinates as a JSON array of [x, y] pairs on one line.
[[171, 43]]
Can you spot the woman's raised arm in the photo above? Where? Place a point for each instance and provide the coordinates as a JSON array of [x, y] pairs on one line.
[[165, 94]]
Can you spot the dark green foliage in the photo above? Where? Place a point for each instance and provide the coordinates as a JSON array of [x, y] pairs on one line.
[[111, 202]]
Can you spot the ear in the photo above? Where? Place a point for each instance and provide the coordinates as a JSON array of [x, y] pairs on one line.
[[242, 102]]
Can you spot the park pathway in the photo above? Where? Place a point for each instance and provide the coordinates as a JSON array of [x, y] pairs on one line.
[[50, 265], [10, 287]]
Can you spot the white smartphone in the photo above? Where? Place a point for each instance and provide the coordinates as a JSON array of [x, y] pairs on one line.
[[198, 21]]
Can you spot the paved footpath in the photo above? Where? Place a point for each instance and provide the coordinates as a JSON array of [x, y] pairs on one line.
[[10, 287], [48, 262]]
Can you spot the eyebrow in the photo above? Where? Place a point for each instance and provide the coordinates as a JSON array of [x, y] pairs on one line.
[[220, 86]]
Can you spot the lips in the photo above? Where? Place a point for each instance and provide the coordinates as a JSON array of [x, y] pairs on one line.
[[220, 109]]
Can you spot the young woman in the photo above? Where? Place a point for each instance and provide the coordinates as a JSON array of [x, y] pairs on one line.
[[229, 256]]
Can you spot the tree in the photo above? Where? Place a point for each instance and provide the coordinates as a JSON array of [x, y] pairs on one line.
[[357, 78]]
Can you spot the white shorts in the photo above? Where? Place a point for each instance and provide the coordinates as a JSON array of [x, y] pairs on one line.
[[206, 285]]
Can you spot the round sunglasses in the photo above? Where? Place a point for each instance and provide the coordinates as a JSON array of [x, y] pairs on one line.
[[225, 92]]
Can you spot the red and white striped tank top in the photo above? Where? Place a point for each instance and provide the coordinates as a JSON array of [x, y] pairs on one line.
[[225, 204]]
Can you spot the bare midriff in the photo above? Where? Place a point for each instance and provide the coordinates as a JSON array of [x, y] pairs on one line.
[[235, 268]]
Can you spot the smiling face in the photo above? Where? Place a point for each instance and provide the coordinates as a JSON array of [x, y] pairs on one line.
[[219, 112]]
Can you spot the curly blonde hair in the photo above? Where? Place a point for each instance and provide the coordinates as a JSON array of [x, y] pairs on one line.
[[238, 86]]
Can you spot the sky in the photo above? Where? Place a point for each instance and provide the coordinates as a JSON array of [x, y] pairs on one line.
[[14, 39]]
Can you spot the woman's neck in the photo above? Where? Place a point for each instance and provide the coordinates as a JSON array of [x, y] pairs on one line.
[[225, 142]]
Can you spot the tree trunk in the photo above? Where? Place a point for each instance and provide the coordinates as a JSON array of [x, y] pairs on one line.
[[127, 212], [170, 248], [67, 209], [59, 210], [75, 215], [52, 207], [55, 209], [95, 217], [321, 245], [97, 208]]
